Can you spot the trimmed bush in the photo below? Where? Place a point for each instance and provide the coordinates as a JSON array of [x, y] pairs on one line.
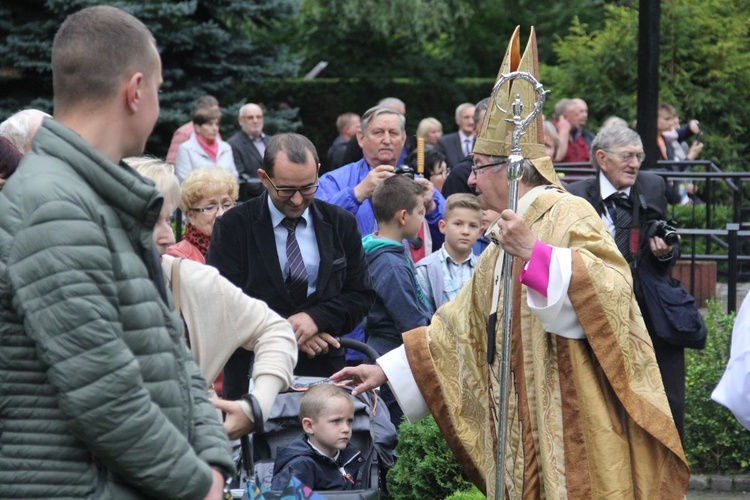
[[426, 468]]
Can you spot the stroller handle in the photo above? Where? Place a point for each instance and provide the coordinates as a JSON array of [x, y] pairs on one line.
[[359, 347]]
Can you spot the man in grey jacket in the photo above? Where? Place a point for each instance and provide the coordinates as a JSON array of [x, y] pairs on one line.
[[99, 396]]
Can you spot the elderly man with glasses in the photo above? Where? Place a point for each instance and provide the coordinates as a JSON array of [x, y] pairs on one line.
[[618, 192], [302, 256]]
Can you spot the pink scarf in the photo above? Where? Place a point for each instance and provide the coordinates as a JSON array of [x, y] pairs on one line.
[[212, 149]]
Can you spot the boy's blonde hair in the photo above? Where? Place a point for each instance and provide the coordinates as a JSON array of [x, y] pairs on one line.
[[316, 400], [461, 200]]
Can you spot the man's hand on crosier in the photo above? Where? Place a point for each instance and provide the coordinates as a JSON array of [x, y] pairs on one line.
[[429, 188], [304, 327], [365, 377], [515, 236], [375, 176], [217, 486], [319, 344], [236, 423]]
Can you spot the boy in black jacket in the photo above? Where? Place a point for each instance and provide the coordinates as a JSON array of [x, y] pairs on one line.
[[323, 458]]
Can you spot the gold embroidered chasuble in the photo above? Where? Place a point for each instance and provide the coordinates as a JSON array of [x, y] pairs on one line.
[[588, 418]]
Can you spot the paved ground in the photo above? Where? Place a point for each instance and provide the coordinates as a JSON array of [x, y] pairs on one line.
[[715, 495]]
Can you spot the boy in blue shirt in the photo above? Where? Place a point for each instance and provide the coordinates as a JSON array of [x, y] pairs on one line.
[[442, 274], [400, 305]]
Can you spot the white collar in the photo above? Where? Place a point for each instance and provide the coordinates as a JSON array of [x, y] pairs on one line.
[[606, 189], [277, 216]]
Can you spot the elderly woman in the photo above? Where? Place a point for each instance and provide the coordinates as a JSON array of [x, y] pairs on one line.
[[205, 148], [10, 157], [206, 195], [430, 129], [219, 317]]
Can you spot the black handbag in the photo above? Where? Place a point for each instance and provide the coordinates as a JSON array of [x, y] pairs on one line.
[[671, 310]]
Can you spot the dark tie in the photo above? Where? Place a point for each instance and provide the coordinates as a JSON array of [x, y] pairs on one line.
[[619, 208], [296, 282]]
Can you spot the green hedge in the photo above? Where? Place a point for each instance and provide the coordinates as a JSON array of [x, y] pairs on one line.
[[715, 441]]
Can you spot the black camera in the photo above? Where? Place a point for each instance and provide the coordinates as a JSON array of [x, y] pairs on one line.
[[406, 171], [663, 230]]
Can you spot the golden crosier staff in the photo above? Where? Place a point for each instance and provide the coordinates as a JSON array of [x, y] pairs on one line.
[[420, 155], [514, 172]]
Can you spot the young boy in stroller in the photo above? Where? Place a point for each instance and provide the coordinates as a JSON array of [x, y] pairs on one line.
[[322, 458]]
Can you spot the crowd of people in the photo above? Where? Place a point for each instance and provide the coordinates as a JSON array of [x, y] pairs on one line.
[[283, 256]]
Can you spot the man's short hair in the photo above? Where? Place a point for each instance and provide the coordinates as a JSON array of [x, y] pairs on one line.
[[21, 128], [205, 101], [162, 173], [94, 50], [561, 107], [613, 137], [394, 194], [668, 108], [202, 182], [462, 107], [479, 107], [317, 399], [461, 200], [344, 120], [391, 102], [295, 146], [376, 111], [205, 115]]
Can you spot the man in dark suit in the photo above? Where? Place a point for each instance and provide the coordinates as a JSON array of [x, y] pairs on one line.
[[301, 256], [458, 178], [627, 200], [248, 146], [456, 146]]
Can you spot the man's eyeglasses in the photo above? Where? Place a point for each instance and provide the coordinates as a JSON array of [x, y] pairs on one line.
[[476, 169], [628, 157], [212, 209], [289, 192]]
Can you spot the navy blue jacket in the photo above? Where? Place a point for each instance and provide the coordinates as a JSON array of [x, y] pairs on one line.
[[399, 306], [319, 472]]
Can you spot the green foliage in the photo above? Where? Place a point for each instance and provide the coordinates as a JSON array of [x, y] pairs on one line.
[[207, 47], [472, 494], [426, 468], [704, 69], [715, 441]]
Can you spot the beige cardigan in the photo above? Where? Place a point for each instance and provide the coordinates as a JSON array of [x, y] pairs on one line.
[[220, 319]]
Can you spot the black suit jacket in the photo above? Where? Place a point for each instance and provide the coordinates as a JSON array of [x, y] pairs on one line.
[[243, 249], [451, 147], [248, 160]]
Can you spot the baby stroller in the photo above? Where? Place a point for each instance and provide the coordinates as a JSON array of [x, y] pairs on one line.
[[373, 435]]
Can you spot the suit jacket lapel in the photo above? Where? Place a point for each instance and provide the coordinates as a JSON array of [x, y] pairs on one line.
[[266, 241], [252, 150], [595, 196], [324, 236]]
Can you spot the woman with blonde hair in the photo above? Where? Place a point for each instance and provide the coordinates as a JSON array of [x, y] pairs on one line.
[[430, 129], [218, 316], [206, 194]]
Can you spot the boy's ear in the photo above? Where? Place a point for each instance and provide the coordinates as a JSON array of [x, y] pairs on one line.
[[441, 226], [401, 217], [307, 425]]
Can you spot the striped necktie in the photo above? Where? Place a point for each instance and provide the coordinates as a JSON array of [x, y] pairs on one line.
[[619, 208], [296, 282]]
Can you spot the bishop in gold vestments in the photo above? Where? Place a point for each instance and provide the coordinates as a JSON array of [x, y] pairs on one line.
[[587, 413]]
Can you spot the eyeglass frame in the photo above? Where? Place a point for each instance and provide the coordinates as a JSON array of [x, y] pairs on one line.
[[640, 156], [475, 169], [211, 209], [295, 190]]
